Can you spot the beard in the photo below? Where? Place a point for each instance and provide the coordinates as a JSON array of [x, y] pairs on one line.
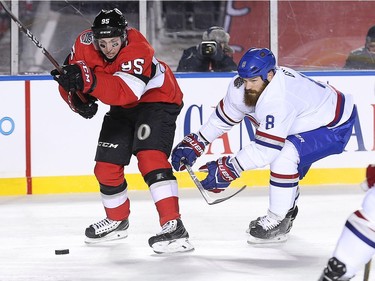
[[251, 97]]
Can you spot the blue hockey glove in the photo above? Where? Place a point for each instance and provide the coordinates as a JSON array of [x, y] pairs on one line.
[[220, 173], [188, 150]]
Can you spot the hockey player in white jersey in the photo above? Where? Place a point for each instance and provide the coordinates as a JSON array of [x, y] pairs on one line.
[[298, 121], [356, 245]]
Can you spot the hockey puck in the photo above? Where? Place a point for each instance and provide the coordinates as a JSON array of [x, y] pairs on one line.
[[62, 252]]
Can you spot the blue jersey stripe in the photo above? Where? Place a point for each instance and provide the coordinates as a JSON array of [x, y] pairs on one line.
[[360, 235]]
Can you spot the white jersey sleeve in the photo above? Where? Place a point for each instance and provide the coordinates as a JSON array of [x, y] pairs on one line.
[[230, 111]]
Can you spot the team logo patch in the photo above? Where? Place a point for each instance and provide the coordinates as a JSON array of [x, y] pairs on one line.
[[86, 38], [238, 82]]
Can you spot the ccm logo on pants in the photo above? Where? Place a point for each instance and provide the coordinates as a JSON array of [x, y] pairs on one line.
[[107, 144]]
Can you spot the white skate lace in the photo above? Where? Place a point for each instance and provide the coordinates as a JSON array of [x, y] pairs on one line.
[[105, 223], [268, 223], [168, 227]]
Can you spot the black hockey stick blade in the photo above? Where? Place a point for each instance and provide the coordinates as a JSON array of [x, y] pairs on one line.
[[366, 275], [204, 192]]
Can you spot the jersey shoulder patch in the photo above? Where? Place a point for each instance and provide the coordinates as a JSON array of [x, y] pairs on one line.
[[238, 82], [86, 38]]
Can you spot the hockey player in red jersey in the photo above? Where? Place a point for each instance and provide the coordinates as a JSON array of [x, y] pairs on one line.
[[356, 245], [115, 64]]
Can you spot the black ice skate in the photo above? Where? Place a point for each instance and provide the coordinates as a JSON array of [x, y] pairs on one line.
[[173, 238], [106, 230], [334, 271], [271, 228]]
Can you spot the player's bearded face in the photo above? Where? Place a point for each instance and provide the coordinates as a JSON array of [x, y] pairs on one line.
[[253, 89]]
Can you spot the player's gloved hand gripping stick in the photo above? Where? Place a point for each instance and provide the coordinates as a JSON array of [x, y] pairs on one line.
[[204, 192], [77, 79], [186, 153]]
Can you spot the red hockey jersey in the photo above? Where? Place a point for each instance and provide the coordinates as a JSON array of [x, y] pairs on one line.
[[134, 77]]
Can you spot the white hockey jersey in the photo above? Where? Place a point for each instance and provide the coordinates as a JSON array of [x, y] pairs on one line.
[[290, 104]]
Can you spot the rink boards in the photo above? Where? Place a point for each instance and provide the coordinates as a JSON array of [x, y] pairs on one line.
[[46, 148]]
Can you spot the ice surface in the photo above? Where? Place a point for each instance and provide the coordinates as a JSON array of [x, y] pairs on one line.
[[33, 227]]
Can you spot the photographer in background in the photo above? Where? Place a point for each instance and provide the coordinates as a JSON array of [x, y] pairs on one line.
[[212, 54], [364, 57]]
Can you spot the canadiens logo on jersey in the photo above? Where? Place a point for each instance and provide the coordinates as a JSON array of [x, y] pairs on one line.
[[86, 38]]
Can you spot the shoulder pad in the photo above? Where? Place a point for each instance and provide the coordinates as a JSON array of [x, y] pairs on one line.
[[238, 82], [86, 38]]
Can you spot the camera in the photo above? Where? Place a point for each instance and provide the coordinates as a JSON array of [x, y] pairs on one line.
[[208, 48]]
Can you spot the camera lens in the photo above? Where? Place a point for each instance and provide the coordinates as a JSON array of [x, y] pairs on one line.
[[208, 48]]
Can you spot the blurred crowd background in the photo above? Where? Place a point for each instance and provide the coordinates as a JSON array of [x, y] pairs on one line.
[[305, 35]]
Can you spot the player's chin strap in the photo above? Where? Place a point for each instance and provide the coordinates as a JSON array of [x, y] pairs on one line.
[[206, 195]]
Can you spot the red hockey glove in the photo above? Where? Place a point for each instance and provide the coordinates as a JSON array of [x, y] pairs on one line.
[[369, 182]]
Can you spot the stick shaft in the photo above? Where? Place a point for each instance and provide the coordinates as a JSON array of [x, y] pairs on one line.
[[366, 275], [37, 43], [31, 36]]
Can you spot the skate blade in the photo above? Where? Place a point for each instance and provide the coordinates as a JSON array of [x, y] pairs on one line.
[[116, 235], [175, 246], [278, 239]]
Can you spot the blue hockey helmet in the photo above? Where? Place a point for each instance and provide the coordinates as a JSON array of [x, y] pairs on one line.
[[256, 62]]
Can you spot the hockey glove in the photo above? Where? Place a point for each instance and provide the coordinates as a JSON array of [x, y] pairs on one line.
[[220, 173], [86, 110], [187, 151], [369, 182], [76, 77]]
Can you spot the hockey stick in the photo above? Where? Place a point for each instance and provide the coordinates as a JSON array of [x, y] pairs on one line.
[[204, 192], [36, 42], [31, 36], [77, 11], [366, 275]]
